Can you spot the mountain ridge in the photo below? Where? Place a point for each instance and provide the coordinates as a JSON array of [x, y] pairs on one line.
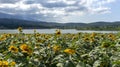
[[8, 23]]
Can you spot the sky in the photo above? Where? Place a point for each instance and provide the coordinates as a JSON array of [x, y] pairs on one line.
[[64, 11]]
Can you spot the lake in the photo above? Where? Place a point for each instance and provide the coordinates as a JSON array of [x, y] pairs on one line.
[[49, 31]]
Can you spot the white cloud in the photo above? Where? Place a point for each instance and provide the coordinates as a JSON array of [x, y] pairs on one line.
[[55, 8], [101, 10], [105, 2]]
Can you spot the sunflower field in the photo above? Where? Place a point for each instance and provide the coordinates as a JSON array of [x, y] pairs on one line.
[[59, 50]]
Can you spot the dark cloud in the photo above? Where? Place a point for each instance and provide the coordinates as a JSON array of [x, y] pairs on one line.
[[9, 1], [81, 8], [29, 2], [54, 5]]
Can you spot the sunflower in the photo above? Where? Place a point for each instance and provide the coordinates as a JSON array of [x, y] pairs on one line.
[[3, 38], [58, 32], [56, 48], [20, 29], [13, 42], [110, 35], [3, 63], [0, 63], [92, 40], [105, 44], [13, 49], [25, 48], [93, 34], [86, 39], [12, 63], [69, 51]]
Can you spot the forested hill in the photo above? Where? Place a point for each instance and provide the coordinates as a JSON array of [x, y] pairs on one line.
[[15, 23]]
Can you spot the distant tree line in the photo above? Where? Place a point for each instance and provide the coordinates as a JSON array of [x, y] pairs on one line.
[[15, 23]]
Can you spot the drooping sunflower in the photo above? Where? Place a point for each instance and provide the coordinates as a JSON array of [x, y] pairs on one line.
[[13, 49], [69, 51]]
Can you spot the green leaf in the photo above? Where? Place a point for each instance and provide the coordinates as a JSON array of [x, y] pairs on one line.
[[116, 62], [60, 65], [80, 64], [69, 64]]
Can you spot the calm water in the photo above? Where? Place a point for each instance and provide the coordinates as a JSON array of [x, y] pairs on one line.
[[53, 31]]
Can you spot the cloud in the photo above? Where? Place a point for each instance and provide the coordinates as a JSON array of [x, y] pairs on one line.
[[9, 1], [55, 8]]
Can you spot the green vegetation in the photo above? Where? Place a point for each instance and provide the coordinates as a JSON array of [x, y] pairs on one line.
[[59, 50], [102, 28]]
